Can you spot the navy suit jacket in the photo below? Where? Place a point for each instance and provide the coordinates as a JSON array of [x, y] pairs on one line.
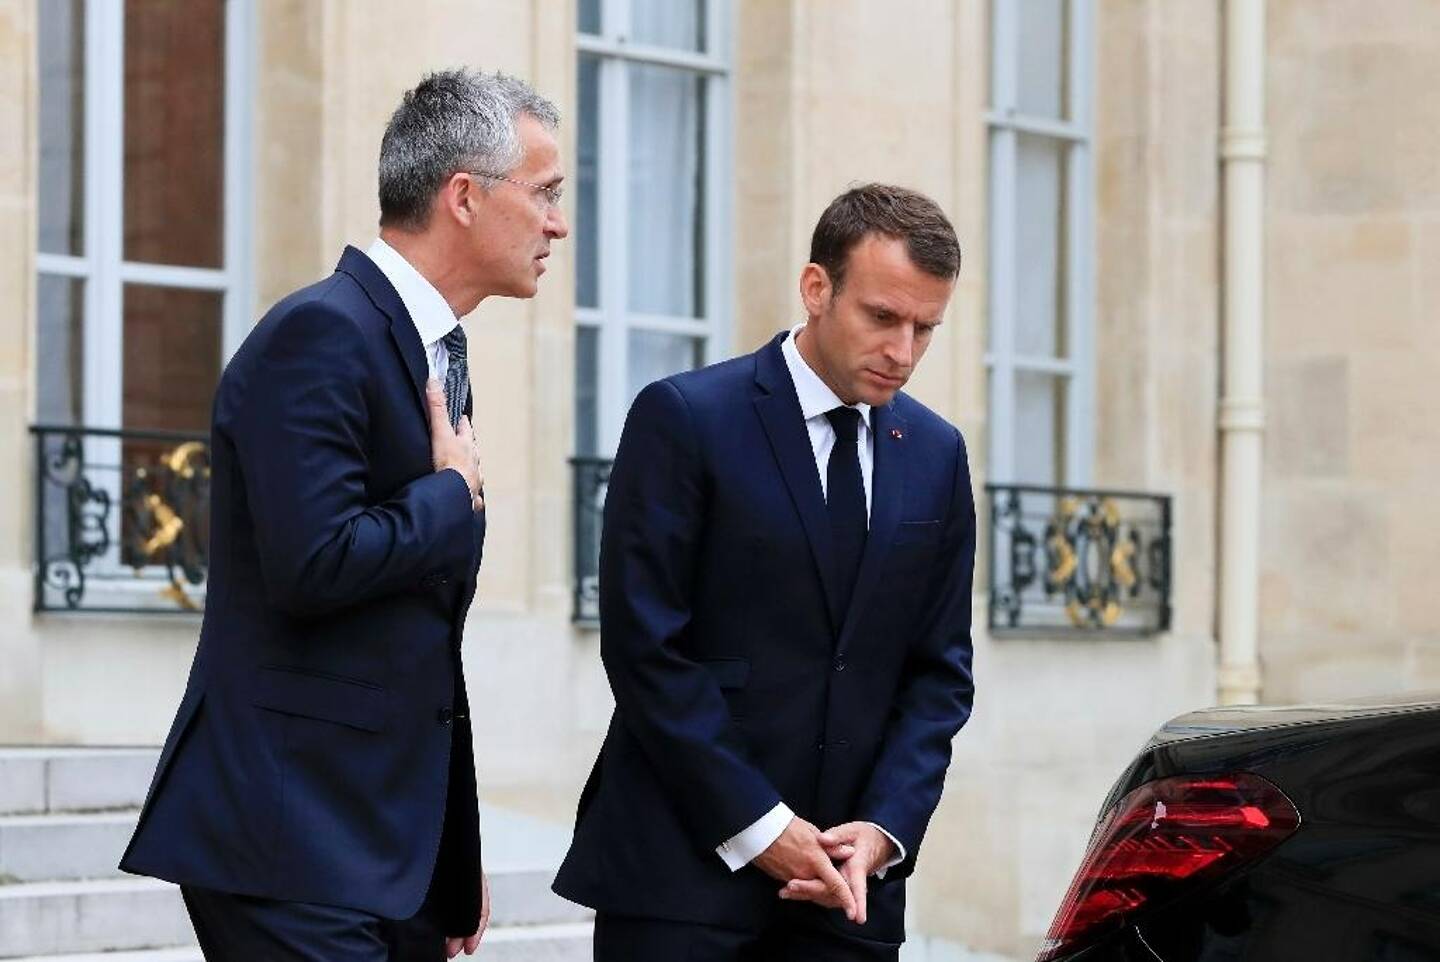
[[733, 688], [323, 745]]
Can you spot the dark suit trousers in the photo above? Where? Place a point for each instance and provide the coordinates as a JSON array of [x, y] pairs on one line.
[[239, 928], [797, 932]]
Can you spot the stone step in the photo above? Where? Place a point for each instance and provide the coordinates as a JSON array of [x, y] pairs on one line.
[[94, 915], [54, 918], [47, 848], [541, 943], [39, 780], [569, 942], [522, 897], [66, 815], [184, 953], [520, 855], [56, 848]]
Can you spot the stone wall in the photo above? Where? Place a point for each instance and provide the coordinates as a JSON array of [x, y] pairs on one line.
[[1352, 346], [828, 93], [20, 711]]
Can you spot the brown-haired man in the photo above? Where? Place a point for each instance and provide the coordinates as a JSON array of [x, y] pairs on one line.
[[785, 609]]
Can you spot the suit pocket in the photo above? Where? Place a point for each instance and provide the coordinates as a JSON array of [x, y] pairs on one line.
[[729, 673], [343, 701]]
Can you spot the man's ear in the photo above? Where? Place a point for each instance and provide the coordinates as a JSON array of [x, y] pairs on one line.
[[459, 199], [815, 288]]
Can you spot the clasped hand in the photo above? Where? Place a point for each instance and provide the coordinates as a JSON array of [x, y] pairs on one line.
[[454, 447], [830, 868]]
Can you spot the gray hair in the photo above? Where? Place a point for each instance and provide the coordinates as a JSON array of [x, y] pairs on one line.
[[453, 120]]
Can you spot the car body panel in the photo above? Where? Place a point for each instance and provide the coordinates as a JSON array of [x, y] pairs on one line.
[[1359, 881]]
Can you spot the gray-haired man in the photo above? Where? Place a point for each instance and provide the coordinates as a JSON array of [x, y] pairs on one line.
[[316, 796]]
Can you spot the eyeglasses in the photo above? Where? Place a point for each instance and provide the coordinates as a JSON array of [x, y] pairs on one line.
[[552, 194]]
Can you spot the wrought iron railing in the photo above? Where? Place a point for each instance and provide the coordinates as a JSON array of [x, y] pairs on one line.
[[122, 520], [591, 479], [1081, 562]]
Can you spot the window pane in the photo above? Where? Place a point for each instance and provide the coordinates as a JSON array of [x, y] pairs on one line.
[[1039, 428], [62, 127], [587, 204], [666, 199], [654, 355], [174, 131], [171, 357], [669, 23], [589, 16], [60, 350], [1039, 246], [587, 391], [1041, 59]]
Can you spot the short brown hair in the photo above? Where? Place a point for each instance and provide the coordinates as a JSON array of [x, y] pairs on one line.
[[893, 212]]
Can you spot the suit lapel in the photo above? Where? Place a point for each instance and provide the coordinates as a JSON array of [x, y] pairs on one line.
[[887, 499], [402, 328], [407, 342], [779, 411], [412, 352]]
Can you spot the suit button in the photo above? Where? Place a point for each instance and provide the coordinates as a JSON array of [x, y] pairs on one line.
[[444, 716], [839, 664]]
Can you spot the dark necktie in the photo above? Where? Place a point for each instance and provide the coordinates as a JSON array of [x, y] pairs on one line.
[[845, 500], [457, 378]]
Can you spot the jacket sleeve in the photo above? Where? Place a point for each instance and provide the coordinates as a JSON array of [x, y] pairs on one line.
[[935, 694], [300, 427], [671, 705]]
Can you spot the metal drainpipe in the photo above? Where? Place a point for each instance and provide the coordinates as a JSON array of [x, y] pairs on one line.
[[1242, 411]]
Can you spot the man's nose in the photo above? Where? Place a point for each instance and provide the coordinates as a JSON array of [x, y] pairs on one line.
[[900, 350], [555, 225]]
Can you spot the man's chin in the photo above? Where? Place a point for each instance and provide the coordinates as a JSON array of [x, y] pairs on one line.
[[524, 289], [878, 397]]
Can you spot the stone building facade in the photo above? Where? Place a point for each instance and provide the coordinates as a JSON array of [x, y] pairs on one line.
[[1112, 208]]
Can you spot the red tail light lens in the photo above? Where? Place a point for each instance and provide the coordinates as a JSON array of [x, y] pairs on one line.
[[1161, 840]]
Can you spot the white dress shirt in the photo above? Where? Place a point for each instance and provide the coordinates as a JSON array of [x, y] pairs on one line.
[[430, 312], [816, 398]]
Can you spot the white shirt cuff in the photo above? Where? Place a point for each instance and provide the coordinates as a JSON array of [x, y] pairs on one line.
[[895, 859], [741, 850]]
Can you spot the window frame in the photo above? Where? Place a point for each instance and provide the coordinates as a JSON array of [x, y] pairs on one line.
[[612, 317], [101, 264], [1005, 123]]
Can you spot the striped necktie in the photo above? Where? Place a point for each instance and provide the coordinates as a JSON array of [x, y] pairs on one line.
[[457, 378]]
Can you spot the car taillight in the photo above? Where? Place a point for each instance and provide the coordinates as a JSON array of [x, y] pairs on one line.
[[1163, 839]]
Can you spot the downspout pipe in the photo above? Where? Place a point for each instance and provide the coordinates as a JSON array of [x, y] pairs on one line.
[[1242, 410]]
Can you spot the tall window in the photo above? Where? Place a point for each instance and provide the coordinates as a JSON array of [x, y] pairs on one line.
[[650, 223], [142, 228], [1038, 355]]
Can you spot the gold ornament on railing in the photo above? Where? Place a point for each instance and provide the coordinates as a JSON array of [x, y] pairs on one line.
[[1088, 603], [163, 502]]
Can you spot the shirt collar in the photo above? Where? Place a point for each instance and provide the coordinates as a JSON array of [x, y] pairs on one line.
[[431, 315], [815, 395]]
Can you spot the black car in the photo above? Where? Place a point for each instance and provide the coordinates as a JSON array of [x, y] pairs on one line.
[[1298, 834]]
